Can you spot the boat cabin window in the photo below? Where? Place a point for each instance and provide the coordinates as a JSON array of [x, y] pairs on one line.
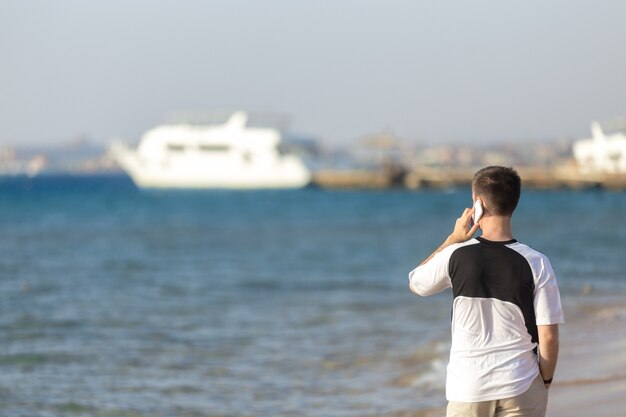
[[175, 147], [213, 148], [282, 149]]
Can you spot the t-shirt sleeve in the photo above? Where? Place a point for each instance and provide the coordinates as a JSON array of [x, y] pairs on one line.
[[433, 276], [547, 300]]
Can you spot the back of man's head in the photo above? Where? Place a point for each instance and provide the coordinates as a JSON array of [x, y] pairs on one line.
[[500, 187]]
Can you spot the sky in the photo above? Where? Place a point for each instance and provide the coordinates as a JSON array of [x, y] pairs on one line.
[[428, 71]]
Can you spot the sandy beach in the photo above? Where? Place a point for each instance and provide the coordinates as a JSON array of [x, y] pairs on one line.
[[591, 374]]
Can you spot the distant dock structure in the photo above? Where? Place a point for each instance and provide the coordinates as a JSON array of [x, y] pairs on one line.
[[599, 162], [560, 177]]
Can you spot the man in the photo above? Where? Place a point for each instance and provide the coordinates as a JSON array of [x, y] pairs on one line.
[[506, 304]]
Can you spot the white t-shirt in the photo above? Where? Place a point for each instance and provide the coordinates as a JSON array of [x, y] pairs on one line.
[[502, 291]]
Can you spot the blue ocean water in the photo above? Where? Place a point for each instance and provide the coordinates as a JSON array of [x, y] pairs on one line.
[[118, 302]]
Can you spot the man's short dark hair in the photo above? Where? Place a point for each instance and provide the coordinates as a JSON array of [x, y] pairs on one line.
[[500, 186]]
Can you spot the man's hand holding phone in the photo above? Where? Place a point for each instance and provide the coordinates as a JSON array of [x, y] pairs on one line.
[[461, 232]]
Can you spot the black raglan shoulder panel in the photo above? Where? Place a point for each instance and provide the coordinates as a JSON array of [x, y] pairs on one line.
[[493, 270]]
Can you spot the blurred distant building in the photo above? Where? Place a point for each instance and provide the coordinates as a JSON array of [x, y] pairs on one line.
[[436, 156], [465, 156], [602, 153], [496, 157], [12, 164], [78, 156], [381, 150]]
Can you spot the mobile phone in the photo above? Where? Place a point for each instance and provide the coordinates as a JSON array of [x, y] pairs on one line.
[[478, 212]]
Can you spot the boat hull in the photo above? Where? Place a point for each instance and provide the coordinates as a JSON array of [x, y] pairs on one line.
[[208, 173]]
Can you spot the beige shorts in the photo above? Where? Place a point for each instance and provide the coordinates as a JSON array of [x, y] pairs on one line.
[[531, 403]]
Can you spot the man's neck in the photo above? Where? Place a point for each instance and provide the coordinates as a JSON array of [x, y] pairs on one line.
[[496, 228]]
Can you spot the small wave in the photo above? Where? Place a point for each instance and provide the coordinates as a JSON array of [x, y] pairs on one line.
[[181, 389], [282, 285], [426, 366], [29, 360], [593, 380]]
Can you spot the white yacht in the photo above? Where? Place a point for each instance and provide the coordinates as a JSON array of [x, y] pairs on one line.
[[230, 155], [603, 152]]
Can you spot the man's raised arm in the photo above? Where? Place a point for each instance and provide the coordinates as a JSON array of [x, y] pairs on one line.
[[428, 279], [459, 234]]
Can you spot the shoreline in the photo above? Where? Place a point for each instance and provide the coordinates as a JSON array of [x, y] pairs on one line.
[[590, 378], [568, 178]]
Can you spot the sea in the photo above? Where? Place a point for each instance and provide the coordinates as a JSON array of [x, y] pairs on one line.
[[121, 302]]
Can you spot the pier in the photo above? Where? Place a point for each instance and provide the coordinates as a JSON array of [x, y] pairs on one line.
[[560, 177]]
